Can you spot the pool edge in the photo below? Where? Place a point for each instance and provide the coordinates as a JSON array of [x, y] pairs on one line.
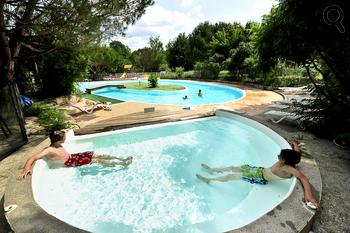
[[289, 216]]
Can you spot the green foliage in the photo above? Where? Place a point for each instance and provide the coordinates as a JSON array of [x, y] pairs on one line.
[[226, 75], [145, 86], [121, 49], [179, 71], [149, 58], [227, 38], [60, 70], [43, 26], [48, 116], [179, 53], [191, 74], [169, 75], [152, 81], [302, 34]]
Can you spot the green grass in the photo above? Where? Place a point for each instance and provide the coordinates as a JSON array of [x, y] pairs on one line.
[[144, 86], [100, 98]]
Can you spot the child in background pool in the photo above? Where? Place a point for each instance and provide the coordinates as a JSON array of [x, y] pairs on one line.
[[56, 153], [200, 93], [284, 168]]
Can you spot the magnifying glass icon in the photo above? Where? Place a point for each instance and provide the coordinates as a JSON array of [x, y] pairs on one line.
[[333, 15]]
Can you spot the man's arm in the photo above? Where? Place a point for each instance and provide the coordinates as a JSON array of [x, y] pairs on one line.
[[28, 165], [306, 185]]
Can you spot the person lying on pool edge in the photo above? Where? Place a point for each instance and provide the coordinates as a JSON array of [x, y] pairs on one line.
[[56, 153], [284, 168]]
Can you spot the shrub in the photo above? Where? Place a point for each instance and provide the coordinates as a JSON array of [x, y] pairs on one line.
[[50, 117], [169, 75], [152, 81], [192, 74], [226, 75], [179, 71]]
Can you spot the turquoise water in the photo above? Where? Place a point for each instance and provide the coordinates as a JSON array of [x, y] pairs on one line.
[[211, 93], [159, 191]]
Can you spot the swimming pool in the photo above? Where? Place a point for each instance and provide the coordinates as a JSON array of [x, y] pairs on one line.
[[212, 93], [159, 191]]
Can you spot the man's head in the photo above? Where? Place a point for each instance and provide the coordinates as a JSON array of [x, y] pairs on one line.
[[290, 157], [57, 137]]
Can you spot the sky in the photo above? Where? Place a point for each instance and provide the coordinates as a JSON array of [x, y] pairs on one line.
[[168, 18]]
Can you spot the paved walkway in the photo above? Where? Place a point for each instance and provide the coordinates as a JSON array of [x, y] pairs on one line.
[[334, 163]]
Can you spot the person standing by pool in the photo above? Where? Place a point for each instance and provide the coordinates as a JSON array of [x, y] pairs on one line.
[[56, 153], [200, 93], [284, 168]]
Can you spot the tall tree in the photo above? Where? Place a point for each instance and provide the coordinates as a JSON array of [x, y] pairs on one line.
[[149, 58], [179, 53], [24, 24], [314, 34]]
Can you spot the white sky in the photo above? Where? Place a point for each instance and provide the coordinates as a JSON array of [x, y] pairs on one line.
[[168, 18]]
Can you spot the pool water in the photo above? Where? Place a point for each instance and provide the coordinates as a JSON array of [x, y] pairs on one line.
[[212, 93], [159, 191]]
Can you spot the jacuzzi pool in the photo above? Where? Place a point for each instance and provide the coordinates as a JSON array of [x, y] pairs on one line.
[[159, 191]]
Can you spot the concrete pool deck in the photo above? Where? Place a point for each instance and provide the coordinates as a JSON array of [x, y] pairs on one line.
[[334, 162]]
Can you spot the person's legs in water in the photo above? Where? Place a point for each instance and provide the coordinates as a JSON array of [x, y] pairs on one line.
[[220, 178], [211, 170], [109, 157], [107, 161]]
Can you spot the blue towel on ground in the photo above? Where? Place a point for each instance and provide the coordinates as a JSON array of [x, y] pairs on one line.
[[26, 101]]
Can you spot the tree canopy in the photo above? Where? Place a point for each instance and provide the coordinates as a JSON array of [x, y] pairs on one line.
[[40, 26]]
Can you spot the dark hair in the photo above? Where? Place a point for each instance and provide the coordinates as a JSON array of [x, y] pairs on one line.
[[56, 136], [290, 157]]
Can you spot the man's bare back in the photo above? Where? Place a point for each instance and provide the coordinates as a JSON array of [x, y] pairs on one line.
[[56, 154]]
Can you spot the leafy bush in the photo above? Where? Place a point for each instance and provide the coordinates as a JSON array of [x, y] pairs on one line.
[[169, 75], [152, 81], [226, 75], [50, 117], [179, 71], [192, 74]]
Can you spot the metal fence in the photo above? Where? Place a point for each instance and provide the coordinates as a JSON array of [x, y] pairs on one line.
[[12, 131]]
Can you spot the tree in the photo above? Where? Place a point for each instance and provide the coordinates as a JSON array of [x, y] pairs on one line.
[[121, 49], [227, 38], [312, 34], [199, 41], [25, 24], [149, 58], [179, 53]]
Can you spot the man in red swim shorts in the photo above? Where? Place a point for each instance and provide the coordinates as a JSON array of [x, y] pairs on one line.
[[55, 152]]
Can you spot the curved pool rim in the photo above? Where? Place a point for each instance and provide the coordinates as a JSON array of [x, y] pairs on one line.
[[250, 198], [20, 193], [221, 85]]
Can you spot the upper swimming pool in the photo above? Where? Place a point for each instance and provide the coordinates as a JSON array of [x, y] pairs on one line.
[[212, 93], [159, 191]]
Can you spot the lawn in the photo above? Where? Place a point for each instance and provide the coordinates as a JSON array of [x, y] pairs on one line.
[[100, 98], [144, 86]]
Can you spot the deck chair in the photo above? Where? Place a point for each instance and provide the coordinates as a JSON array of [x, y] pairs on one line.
[[279, 116], [89, 109]]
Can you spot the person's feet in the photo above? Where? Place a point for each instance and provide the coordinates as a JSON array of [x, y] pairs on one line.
[[207, 168], [202, 178], [126, 163]]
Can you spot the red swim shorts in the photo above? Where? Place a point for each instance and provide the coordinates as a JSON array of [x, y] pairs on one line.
[[79, 159]]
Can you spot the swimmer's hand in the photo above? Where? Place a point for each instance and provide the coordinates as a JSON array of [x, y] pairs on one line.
[[313, 201], [24, 174]]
